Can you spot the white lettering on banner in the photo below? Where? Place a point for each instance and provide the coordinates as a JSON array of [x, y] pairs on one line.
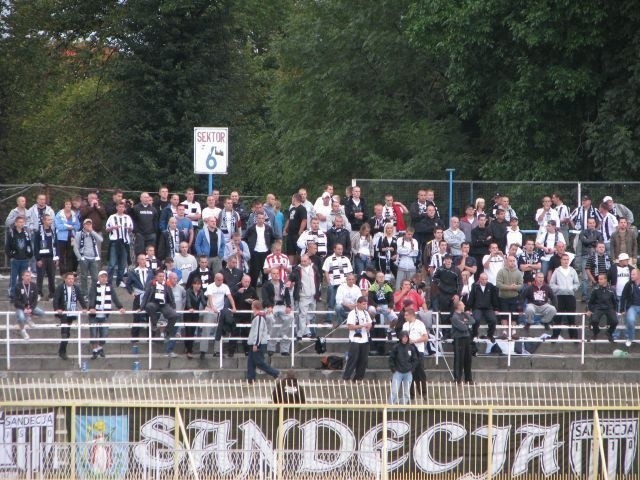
[[500, 439], [547, 448], [371, 446], [422, 449], [17, 432], [614, 432], [214, 447], [159, 439], [311, 462]]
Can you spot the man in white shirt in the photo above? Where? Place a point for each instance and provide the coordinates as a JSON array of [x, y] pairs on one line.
[[547, 241], [359, 324], [192, 207], [211, 210], [315, 235], [419, 337], [514, 235], [608, 225], [564, 215], [336, 267], [493, 262], [407, 255], [545, 214], [346, 297], [323, 210], [218, 294]]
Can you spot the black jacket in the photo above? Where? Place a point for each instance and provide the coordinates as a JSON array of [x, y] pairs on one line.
[[20, 298], [269, 294], [487, 300], [251, 237], [448, 280], [626, 299], [460, 323], [602, 299], [149, 297], [58, 297], [480, 240], [403, 358], [18, 244], [339, 236]]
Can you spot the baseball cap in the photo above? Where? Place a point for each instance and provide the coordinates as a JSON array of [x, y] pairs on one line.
[[623, 256], [87, 220], [586, 197], [607, 199], [102, 272]]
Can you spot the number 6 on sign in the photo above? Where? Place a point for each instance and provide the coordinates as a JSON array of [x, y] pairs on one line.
[[210, 150]]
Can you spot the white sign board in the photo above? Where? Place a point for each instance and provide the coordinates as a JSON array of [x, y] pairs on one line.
[[210, 150]]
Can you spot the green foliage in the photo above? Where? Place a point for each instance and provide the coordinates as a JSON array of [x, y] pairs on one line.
[[355, 99]]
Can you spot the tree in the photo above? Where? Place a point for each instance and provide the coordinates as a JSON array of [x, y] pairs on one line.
[[354, 98]]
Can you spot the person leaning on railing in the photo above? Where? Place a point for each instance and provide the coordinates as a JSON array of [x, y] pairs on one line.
[[602, 303], [67, 298], [25, 300], [630, 305]]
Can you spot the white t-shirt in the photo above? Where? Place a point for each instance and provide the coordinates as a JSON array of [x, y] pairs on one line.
[[216, 295], [210, 212], [416, 330], [496, 264], [358, 317]]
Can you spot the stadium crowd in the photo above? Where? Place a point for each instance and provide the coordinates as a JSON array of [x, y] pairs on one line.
[[374, 261]]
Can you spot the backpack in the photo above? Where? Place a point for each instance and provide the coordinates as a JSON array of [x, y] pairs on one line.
[[321, 345], [332, 362]]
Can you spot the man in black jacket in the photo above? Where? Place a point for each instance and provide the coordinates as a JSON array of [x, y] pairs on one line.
[[602, 303], [145, 222], [158, 299], [67, 298], [18, 249], [25, 300], [483, 304], [449, 284], [259, 238], [402, 361]]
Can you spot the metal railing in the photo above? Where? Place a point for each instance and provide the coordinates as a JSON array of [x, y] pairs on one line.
[[81, 327]]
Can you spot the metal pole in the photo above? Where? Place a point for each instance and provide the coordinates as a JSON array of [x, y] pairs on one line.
[[8, 344], [210, 183], [450, 170]]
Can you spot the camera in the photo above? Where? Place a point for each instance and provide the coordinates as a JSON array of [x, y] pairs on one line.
[[358, 334]]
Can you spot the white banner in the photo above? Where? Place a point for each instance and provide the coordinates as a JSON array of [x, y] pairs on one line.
[[210, 150]]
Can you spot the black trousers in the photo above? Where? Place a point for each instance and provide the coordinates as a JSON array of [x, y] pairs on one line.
[[65, 331], [138, 317], [462, 359], [488, 316], [357, 361], [610, 315], [256, 262], [419, 380], [154, 310], [566, 303], [48, 268]]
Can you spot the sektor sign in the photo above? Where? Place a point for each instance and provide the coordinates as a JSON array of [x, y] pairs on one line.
[[210, 150]]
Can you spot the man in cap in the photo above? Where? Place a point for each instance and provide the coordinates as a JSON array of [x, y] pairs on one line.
[[102, 299], [618, 210]]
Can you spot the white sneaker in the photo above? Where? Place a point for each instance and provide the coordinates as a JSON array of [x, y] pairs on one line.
[[171, 354], [122, 285], [627, 343], [24, 334]]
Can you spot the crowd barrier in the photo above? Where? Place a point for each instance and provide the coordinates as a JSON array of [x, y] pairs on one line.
[[141, 429], [82, 325]]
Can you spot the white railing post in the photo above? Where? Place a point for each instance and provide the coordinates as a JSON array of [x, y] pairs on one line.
[[292, 350], [438, 339], [79, 328], [150, 342], [509, 341], [8, 344], [583, 340]]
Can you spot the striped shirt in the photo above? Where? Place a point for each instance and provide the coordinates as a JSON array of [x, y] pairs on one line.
[[278, 260], [123, 224], [337, 269]]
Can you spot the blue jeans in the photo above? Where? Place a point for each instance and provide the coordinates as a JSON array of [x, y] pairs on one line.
[[98, 329], [22, 318], [17, 267], [360, 265], [117, 259], [256, 361], [400, 384], [630, 321], [331, 301]]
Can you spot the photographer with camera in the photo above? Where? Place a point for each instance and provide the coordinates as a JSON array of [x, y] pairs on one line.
[[359, 324]]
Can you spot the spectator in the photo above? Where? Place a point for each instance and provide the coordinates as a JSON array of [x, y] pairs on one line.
[[514, 235], [493, 262], [19, 250], [195, 302], [402, 362], [419, 337], [608, 225], [546, 242], [162, 200], [313, 235], [184, 261], [180, 298], [67, 225], [563, 214], [136, 284], [259, 238], [276, 259], [529, 262], [619, 274], [87, 250], [509, 281], [461, 323], [307, 281], [119, 227], [394, 211], [454, 237], [229, 220], [336, 267], [25, 301], [449, 284], [586, 246], [239, 249], [170, 239], [220, 308], [145, 222], [465, 262], [630, 305], [618, 210], [295, 226], [408, 253], [565, 283], [386, 252], [480, 240], [193, 210], [545, 214], [168, 212], [540, 301], [355, 209], [338, 234], [378, 221], [468, 222], [599, 262], [288, 391], [508, 210], [484, 305], [276, 299], [380, 297], [243, 298], [232, 275], [602, 303], [480, 207], [258, 338], [498, 230], [67, 298], [102, 299], [359, 325], [625, 240], [347, 296], [46, 256], [158, 299], [20, 210]]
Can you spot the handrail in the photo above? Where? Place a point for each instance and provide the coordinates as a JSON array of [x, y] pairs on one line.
[[438, 326]]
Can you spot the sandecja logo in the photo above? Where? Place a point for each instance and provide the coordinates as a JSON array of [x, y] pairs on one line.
[[212, 444]]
